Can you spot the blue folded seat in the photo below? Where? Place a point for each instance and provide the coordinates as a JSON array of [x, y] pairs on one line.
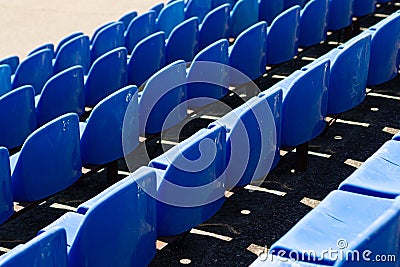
[[127, 18], [139, 28], [364, 7], [198, 8], [243, 15], [170, 16], [291, 3], [269, 9], [12, 61], [214, 26], [340, 14], [107, 39], [313, 23]]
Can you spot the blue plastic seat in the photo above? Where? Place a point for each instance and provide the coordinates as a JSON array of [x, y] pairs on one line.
[[170, 16], [107, 75], [252, 139], [140, 28], [12, 61], [379, 175], [385, 47], [313, 23], [35, 70], [66, 39], [291, 3], [198, 8], [208, 76], [215, 26], [183, 171], [304, 105], [340, 14], [127, 18], [269, 9], [49, 46], [6, 198], [115, 228], [49, 161], [5, 79], [243, 15], [283, 36], [17, 120], [157, 8], [101, 133], [63, 93], [364, 7], [164, 95], [45, 250], [248, 53], [217, 3], [344, 222], [99, 29], [108, 38], [147, 58], [183, 41], [349, 72], [74, 52]]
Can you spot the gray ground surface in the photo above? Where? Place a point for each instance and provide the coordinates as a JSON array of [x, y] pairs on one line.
[[249, 220]]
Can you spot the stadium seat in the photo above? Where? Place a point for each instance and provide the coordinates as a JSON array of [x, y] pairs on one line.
[[74, 52], [107, 74], [183, 42], [364, 7], [63, 93], [304, 105], [379, 175], [313, 23], [215, 26], [344, 222], [5, 79], [116, 227], [291, 3], [252, 139], [147, 58], [248, 53], [140, 28], [170, 16], [283, 36], [190, 181], [18, 118], [6, 198], [35, 70], [269, 9], [206, 79], [127, 18], [12, 61], [243, 15], [66, 39], [42, 47], [101, 133], [164, 96], [107, 39], [157, 8], [217, 3], [385, 47], [198, 8], [340, 14], [49, 160], [46, 250]]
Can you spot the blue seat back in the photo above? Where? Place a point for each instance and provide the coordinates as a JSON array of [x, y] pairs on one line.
[[349, 72], [147, 58], [107, 39], [291, 3], [313, 23], [63, 93], [215, 26], [66, 39], [6, 198], [340, 14], [283, 36], [12, 61], [157, 8], [5, 79], [107, 75], [269, 9], [163, 96], [364, 7], [183, 41], [127, 18], [243, 15], [99, 29], [74, 52], [106, 122], [52, 150], [208, 76], [217, 3], [35, 70], [385, 50], [184, 170], [304, 106], [198, 8], [49, 46], [46, 250], [139, 28], [18, 118], [170, 16], [248, 53]]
